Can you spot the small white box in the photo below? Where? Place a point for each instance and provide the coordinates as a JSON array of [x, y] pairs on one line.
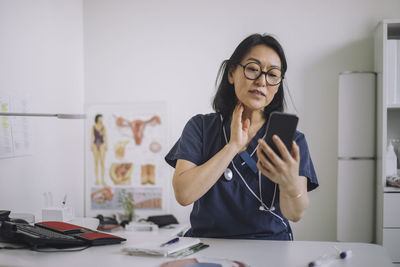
[[64, 214], [141, 227]]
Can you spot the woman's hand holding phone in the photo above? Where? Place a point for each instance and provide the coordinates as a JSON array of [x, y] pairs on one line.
[[278, 155], [283, 170]]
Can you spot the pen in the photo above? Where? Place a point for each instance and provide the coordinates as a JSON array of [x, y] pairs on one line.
[[327, 259], [170, 242], [64, 201]]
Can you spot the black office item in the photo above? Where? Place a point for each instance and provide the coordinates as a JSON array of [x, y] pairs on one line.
[[18, 220], [53, 234], [163, 220], [4, 215], [108, 224], [107, 219]]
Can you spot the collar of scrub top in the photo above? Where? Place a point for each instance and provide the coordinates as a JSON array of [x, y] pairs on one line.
[[245, 156], [249, 161]]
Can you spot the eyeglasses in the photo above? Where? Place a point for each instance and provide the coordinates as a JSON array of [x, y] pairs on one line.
[[252, 71]]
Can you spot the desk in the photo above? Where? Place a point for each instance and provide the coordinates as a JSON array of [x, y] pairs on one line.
[[252, 252]]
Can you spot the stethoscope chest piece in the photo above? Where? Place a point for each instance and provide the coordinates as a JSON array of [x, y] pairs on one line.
[[261, 208], [228, 174]]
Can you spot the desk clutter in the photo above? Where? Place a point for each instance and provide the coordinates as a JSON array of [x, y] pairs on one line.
[[151, 224], [48, 236], [52, 234]]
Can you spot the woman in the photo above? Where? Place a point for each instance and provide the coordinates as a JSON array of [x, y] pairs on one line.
[[99, 146], [254, 203]]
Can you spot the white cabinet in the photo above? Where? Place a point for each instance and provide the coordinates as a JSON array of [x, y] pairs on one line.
[[356, 156], [355, 200], [387, 67]]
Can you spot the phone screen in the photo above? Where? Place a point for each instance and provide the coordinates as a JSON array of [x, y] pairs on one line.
[[283, 125]]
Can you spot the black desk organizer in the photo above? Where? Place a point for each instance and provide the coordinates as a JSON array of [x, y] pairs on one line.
[[54, 234]]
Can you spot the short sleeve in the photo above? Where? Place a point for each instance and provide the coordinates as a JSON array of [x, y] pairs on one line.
[[306, 165], [189, 145]]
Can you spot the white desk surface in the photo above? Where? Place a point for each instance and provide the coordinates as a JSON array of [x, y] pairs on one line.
[[251, 252]]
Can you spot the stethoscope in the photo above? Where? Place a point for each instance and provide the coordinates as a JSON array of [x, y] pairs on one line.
[[228, 175]]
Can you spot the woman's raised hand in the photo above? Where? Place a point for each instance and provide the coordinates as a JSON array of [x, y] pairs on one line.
[[239, 128]]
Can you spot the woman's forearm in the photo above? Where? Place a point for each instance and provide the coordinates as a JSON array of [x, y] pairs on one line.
[[294, 204], [190, 182]]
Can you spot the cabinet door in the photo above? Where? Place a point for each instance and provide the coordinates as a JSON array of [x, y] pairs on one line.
[[391, 241], [355, 200], [391, 210]]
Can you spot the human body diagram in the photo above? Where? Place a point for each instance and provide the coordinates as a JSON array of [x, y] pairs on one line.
[[99, 144]]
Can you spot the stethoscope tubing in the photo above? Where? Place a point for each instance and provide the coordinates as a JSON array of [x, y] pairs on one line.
[[269, 209]]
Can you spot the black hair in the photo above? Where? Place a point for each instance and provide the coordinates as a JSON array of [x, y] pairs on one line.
[[225, 98], [97, 117]]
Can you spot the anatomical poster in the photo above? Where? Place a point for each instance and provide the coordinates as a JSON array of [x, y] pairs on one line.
[[125, 148]]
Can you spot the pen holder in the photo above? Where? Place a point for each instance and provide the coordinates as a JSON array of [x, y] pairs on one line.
[[63, 214]]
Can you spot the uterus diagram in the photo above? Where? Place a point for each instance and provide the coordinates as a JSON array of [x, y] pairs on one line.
[[135, 128]]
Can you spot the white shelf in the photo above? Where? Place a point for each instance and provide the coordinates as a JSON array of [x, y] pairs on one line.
[[389, 189], [388, 127]]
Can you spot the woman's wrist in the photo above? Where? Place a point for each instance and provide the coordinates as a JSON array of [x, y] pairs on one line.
[[233, 148], [287, 196], [293, 192]]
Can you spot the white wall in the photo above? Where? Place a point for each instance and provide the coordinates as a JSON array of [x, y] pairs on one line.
[[171, 51], [41, 58]]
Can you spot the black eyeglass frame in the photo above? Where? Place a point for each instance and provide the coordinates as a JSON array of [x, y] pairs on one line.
[[261, 73]]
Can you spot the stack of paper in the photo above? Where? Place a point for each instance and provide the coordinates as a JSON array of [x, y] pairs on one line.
[[156, 248]]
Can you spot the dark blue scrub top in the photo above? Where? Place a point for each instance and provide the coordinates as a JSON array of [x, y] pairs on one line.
[[228, 209]]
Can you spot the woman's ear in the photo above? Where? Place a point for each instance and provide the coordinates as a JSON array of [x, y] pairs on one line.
[[230, 74]]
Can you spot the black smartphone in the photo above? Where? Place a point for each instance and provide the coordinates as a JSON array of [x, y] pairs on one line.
[[283, 125]]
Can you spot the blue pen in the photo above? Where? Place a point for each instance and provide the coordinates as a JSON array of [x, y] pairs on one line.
[[170, 242]]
